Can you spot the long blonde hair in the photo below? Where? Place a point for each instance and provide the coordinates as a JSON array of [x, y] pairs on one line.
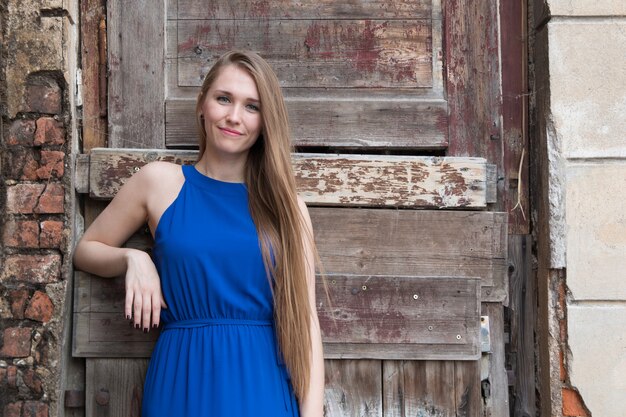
[[274, 208]]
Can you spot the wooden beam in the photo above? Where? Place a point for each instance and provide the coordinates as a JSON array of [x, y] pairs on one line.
[[324, 179]]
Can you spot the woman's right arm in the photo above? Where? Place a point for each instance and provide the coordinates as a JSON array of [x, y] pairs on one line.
[[99, 250]]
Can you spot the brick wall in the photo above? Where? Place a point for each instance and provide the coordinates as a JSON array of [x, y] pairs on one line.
[[33, 246], [35, 204]]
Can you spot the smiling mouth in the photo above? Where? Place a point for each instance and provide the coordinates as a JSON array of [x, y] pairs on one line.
[[230, 131]]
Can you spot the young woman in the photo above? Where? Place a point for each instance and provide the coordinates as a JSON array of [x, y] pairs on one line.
[[231, 280]]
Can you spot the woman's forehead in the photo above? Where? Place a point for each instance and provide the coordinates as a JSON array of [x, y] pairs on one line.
[[236, 81]]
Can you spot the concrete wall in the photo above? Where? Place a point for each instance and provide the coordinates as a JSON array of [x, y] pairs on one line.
[[581, 96], [38, 52]]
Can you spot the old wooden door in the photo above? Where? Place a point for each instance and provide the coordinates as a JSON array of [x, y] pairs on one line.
[[396, 114]]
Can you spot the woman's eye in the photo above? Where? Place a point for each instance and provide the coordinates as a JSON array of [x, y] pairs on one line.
[[253, 107], [223, 99]]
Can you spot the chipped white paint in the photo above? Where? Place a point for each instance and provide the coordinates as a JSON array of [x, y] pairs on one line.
[[587, 7]]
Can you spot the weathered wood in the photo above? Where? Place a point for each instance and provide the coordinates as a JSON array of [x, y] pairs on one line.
[[413, 124], [522, 313], [383, 321], [473, 81], [331, 179], [94, 126], [495, 389], [114, 387], [81, 173], [418, 388], [513, 20], [314, 53], [492, 183], [376, 310], [467, 388], [242, 9], [353, 388], [136, 73], [415, 243]]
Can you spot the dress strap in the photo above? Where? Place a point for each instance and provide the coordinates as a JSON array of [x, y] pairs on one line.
[[186, 324]]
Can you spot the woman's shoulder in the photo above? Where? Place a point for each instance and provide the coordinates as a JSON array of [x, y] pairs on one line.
[[157, 172]]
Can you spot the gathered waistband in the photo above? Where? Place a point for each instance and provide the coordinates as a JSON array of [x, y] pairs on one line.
[[186, 324]]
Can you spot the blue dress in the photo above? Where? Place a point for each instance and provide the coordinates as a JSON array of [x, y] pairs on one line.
[[217, 352]]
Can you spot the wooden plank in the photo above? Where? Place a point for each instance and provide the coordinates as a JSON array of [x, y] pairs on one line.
[[473, 82], [136, 73], [418, 388], [81, 173], [114, 387], [352, 123], [94, 126], [522, 316], [467, 388], [495, 387], [315, 53], [513, 21], [332, 179], [415, 243], [242, 9], [377, 310], [353, 388], [382, 321]]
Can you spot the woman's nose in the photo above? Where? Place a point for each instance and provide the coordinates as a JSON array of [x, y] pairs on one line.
[[234, 114]]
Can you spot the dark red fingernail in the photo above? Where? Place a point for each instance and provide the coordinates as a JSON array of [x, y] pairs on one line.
[[128, 317], [136, 326], [145, 330], [154, 326]]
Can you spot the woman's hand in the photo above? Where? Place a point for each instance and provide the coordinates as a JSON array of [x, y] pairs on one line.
[[144, 297]]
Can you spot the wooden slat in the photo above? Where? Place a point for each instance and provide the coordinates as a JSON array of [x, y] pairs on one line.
[[414, 124], [375, 312], [118, 380], [244, 9], [415, 243], [314, 53], [325, 179], [419, 388], [495, 390], [382, 321], [522, 316], [353, 388], [467, 388], [136, 73]]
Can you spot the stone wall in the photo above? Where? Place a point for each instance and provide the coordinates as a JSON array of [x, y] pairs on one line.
[[580, 54], [37, 66]]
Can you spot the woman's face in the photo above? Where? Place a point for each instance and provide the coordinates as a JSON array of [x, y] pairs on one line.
[[232, 113]]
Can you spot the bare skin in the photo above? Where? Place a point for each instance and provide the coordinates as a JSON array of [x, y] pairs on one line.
[[232, 120]]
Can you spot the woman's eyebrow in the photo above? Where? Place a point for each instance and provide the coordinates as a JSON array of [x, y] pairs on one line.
[[228, 93]]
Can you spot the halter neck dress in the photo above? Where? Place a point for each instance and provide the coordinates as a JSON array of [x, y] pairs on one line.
[[217, 353]]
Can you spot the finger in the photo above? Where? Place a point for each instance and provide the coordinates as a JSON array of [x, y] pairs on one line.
[[128, 304], [156, 309], [163, 305], [146, 310], [137, 310]]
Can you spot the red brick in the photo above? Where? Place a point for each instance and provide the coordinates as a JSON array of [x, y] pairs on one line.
[[16, 342], [21, 234], [51, 235], [35, 409], [3, 374], [40, 269], [13, 409], [49, 131], [21, 163], [12, 376], [51, 164], [51, 200], [21, 132], [573, 405], [23, 198], [32, 381], [43, 95], [40, 307], [18, 302]]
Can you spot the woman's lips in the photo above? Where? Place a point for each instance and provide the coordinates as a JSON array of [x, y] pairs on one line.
[[230, 132]]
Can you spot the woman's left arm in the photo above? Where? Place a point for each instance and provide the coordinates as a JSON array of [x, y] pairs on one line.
[[313, 404]]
